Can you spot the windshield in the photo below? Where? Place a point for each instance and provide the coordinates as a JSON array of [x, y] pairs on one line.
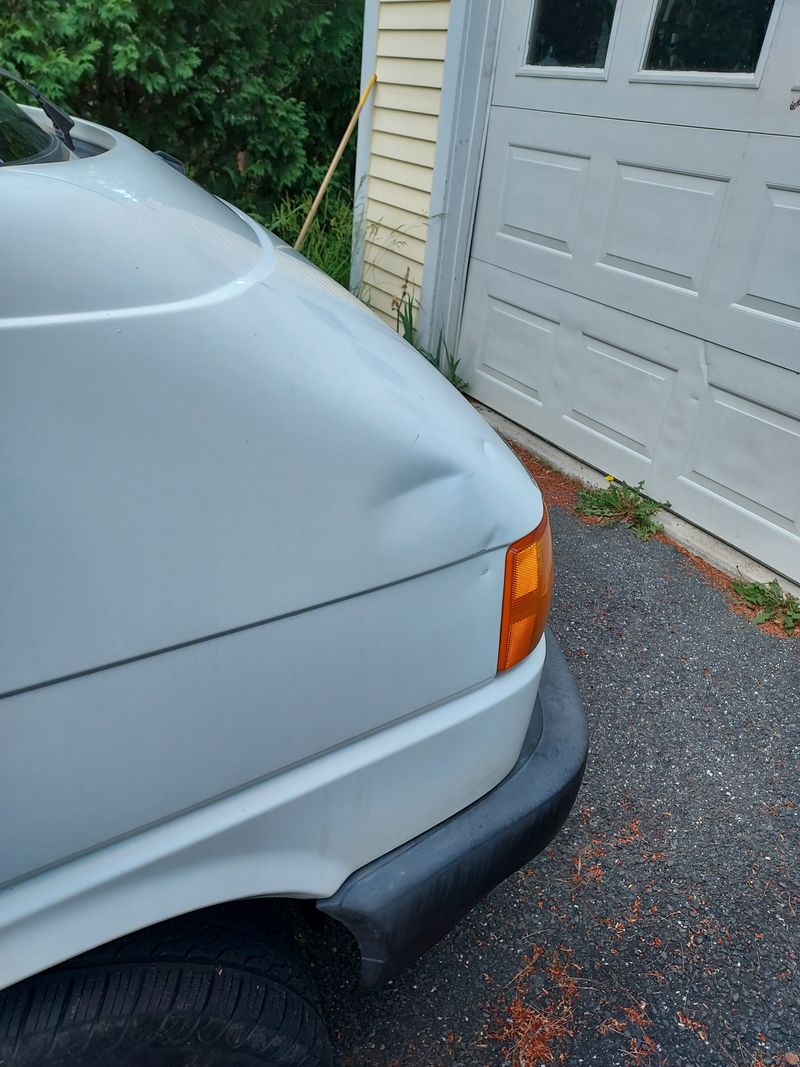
[[22, 141]]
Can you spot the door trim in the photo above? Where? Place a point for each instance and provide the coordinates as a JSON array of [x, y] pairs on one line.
[[369, 48], [469, 71]]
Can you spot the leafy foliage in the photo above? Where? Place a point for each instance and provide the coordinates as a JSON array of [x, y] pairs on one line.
[[442, 358], [620, 502], [252, 96], [772, 602]]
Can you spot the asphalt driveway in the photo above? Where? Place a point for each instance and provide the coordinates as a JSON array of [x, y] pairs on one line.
[[663, 925]]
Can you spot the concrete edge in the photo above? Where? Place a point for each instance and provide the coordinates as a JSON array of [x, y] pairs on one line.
[[727, 559]]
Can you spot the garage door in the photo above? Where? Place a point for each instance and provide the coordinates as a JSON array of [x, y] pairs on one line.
[[634, 284]]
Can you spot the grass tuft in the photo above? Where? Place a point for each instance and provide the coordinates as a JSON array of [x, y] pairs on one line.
[[620, 502], [330, 240], [773, 604], [441, 358]]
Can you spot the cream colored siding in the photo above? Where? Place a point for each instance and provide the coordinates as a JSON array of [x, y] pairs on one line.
[[402, 44], [417, 127], [426, 72], [412, 149], [391, 224], [411, 200], [412, 36], [414, 15], [395, 261], [407, 174], [418, 101]]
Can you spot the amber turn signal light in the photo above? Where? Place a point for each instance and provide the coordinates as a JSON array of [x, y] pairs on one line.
[[526, 594]]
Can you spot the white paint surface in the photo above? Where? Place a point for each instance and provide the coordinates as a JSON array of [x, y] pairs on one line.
[[252, 555]]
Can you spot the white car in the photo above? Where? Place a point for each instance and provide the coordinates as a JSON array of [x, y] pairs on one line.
[[272, 624]]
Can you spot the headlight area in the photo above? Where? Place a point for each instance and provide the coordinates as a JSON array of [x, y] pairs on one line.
[[527, 592]]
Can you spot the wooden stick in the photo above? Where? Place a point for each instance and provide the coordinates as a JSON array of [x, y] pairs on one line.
[[335, 162]]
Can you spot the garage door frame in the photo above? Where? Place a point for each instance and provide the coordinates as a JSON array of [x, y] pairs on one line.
[[469, 70]]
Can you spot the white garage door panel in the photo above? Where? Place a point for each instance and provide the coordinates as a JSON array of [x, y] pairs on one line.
[[634, 284], [645, 403], [606, 373], [525, 357], [678, 225], [635, 240], [762, 300], [738, 475], [746, 445], [757, 101], [616, 390]]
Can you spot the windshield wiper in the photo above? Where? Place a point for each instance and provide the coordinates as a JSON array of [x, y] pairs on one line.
[[60, 119]]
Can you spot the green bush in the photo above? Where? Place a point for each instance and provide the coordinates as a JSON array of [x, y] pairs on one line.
[[252, 96]]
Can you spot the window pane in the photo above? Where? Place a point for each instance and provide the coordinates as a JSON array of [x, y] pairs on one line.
[[21, 139], [708, 35], [570, 33]]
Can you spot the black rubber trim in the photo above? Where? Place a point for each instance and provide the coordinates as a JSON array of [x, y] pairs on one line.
[[399, 905]]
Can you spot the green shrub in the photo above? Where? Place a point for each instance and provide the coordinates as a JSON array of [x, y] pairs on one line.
[[253, 96]]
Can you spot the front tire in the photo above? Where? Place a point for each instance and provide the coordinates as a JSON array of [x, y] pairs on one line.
[[220, 988]]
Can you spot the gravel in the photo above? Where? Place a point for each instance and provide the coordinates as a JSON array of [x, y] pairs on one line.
[[662, 926]]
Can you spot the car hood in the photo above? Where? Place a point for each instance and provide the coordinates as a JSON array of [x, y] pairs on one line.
[[199, 431]]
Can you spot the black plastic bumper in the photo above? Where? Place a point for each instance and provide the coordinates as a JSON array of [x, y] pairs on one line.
[[401, 904]]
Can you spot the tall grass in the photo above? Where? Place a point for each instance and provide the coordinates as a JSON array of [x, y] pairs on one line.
[[441, 358], [329, 241]]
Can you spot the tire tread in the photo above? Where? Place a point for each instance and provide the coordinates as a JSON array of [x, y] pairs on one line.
[[222, 982]]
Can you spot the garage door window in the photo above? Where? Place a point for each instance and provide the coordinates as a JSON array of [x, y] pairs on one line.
[[721, 36], [571, 33]]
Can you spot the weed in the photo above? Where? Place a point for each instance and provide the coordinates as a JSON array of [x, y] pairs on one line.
[[442, 358], [620, 502], [330, 239], [773, 604], [404, 310]]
